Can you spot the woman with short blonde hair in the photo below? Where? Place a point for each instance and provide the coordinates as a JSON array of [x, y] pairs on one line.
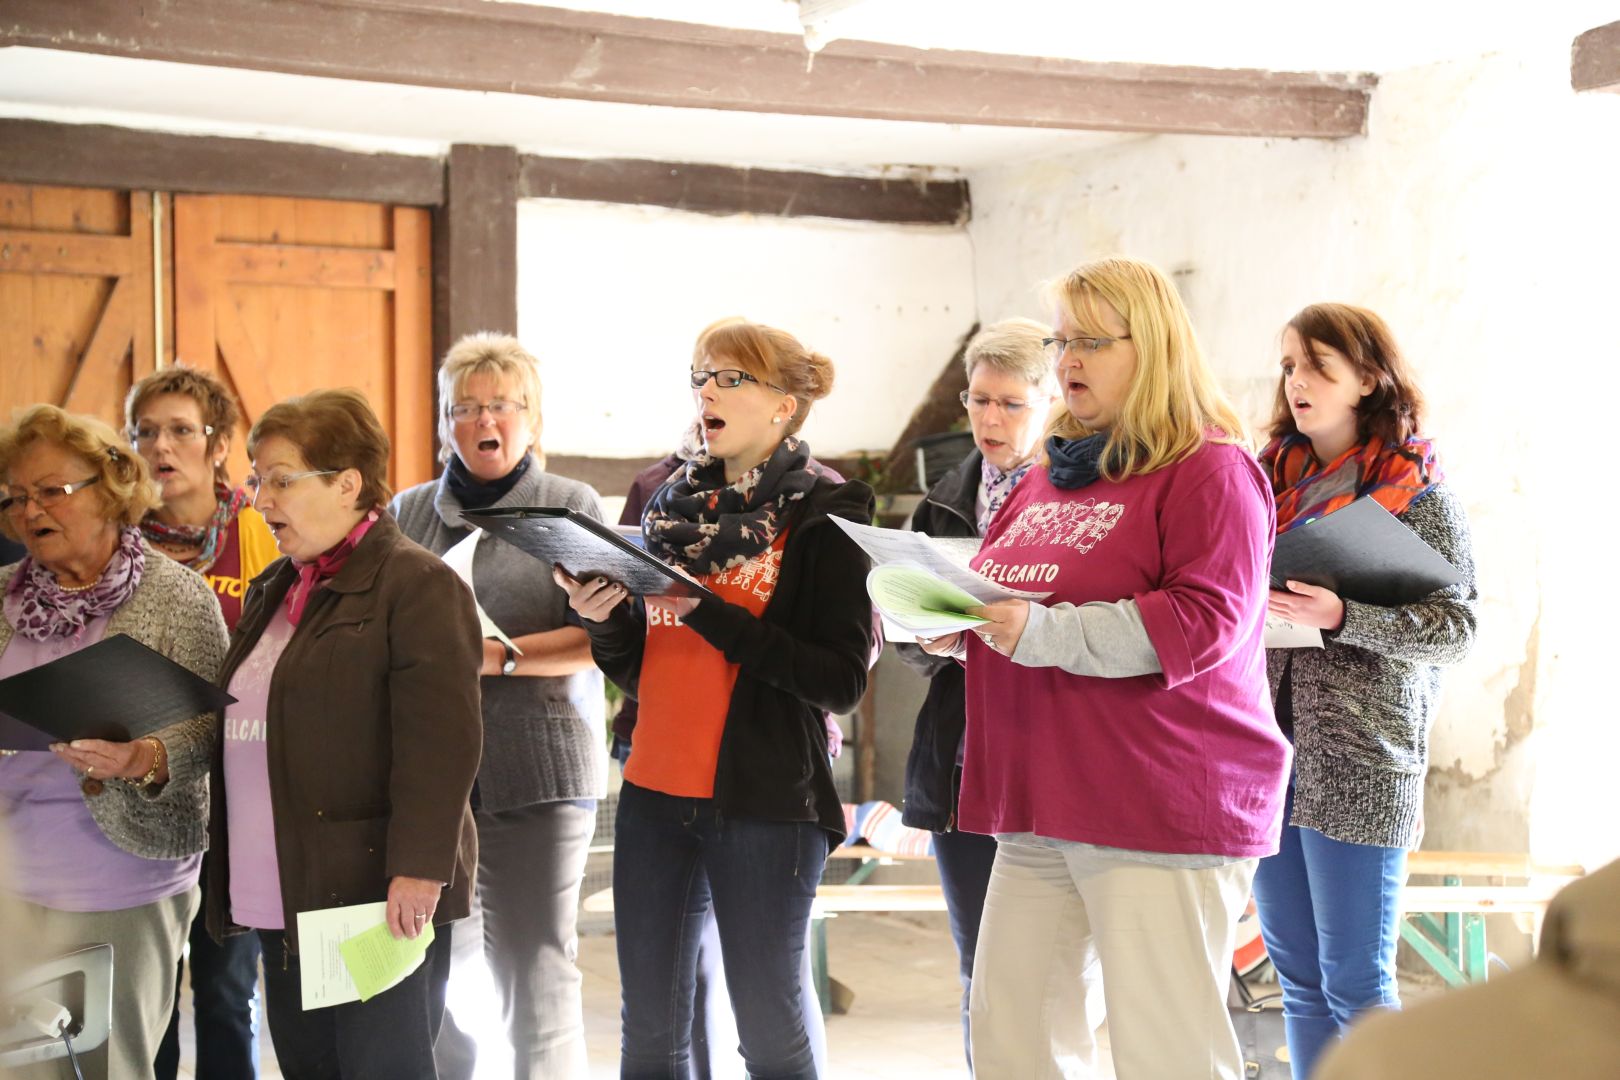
[[109, 834], [544, 765], [1119, 744]]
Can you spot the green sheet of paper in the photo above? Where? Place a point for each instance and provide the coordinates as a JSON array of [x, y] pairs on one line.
[[378, 961], [920, 601]]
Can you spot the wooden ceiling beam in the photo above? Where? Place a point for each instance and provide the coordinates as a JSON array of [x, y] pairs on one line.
[[550, 52]]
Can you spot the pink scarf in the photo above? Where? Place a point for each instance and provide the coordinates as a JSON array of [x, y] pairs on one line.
[[312, 575]]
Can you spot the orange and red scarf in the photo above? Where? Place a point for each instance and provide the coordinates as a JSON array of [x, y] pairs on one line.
[[1396, 476]]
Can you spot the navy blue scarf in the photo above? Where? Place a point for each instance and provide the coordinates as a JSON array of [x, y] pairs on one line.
[[1076, 463]]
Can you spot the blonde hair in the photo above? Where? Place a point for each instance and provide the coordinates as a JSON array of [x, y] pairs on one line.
[[500, 356], [1174, 405], [1013, 346], [771, 356], [124, 484]]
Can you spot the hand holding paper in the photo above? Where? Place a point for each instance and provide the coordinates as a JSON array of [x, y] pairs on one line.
[[348, 954], [379, 961], [919, 602]]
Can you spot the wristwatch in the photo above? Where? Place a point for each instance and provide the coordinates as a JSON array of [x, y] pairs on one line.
[[510, 664]]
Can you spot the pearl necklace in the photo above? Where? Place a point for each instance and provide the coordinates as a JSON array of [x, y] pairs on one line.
[[78, 588]]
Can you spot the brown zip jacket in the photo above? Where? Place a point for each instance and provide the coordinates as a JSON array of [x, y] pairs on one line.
[[374, 733]]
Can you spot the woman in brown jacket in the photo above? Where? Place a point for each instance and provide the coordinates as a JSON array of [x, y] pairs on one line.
[[347, 760]]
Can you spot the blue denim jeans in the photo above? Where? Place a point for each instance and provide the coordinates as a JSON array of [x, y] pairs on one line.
[[672, 858], [964, 861], [1330, 917]]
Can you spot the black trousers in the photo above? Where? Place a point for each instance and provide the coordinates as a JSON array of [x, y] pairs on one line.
[[389, 1037]]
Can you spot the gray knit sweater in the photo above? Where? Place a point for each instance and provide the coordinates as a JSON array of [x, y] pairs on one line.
[[544, 739], [173, 611], [1363, 705]]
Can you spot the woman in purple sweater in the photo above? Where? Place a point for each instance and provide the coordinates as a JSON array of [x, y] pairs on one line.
[[1120, 743]]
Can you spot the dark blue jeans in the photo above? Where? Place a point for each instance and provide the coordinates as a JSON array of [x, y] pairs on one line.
[[1330, 917], [224, 981], [964, 861], [672, 858]]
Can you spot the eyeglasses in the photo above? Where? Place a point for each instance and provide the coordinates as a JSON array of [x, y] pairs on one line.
[[45, 497], [147, 434], [1055, 346], [462, 411], [726, 378], [280, 481], [978, 403]]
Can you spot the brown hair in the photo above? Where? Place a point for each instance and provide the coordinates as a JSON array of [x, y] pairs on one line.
[[215, 403], [1393, 410], [771, 356], [333, 429], [124, 484]]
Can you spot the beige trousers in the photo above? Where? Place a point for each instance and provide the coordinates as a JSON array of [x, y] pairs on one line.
[[146, 945], [1070, 935]]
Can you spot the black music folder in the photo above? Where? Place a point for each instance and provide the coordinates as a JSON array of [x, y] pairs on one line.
[[585, 548], [1364, 553], [117, 689]]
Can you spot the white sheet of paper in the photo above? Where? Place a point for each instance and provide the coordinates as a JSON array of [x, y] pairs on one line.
[[1282, 634], [942, 557], [324, 977], [460, 559]]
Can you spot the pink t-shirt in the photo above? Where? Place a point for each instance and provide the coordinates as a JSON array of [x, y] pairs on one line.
[[250, 826], [1186, 762]]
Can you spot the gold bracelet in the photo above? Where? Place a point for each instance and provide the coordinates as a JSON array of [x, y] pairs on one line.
[[159, 755]]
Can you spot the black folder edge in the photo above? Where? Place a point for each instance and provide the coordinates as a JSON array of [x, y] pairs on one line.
[[1418, 560], [20, 700], [504, 521]]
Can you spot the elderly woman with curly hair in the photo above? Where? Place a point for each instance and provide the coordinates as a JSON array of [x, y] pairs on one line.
[[107, 836]]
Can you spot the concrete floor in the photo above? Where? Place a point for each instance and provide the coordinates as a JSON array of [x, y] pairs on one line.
[[902, 1023]]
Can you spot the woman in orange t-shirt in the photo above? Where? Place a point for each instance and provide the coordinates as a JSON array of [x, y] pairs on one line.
[[728, 797]]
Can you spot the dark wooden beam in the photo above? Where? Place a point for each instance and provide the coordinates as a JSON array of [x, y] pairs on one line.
[[550, 52], [475, 245], [1595, 59], [95, 155], [718, 189]]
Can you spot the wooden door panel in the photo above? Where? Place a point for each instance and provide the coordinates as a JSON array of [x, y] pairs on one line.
[[283, 296], [76, 297]]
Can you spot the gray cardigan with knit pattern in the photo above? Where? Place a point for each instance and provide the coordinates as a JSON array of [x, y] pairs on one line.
[[174, 612], [1364, 703], [544, 739]]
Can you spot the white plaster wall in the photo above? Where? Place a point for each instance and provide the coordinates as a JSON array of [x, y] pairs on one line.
[[611, 298], [1479, 217]]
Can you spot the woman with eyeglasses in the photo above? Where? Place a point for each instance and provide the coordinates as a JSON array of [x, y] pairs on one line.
[[1120, 745], [545, 761], [728, 797], [348, 757], [107, 836], [1009, 394], [181, 421]]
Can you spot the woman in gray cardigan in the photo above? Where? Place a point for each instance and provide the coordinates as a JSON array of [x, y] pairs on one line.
[[107, 837], [1348, 425], [544, 762]]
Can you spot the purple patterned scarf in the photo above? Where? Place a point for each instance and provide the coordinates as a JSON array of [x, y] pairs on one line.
[[39, 608], [702, 524]]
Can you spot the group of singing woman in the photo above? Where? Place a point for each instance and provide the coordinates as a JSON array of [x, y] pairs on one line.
[[1110, 770]]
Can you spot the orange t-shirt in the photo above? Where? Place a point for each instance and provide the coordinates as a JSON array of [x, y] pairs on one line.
[[686, 686]]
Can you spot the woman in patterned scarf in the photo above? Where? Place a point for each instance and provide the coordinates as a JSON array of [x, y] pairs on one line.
[[108, 836], [181, 421], [1348, 424], [728, 796]]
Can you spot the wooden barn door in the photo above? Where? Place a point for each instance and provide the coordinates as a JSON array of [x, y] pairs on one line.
[[283, 296], [77, 317]]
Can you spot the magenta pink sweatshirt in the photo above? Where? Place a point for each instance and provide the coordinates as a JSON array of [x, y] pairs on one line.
[[1189, 761]]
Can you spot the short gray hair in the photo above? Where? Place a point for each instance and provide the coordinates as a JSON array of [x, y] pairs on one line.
[[1013, 346]]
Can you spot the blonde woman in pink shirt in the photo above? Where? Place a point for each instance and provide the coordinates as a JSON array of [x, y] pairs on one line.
[[1120, 744]]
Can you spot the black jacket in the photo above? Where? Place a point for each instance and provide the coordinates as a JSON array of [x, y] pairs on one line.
[[804, 656], [932, 778]]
